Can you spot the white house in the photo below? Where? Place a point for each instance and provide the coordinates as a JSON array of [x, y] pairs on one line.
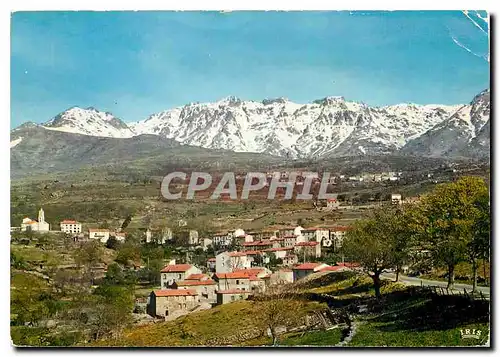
[[176, 272], [29, 224], [315, 234], [226, 262], [70, 226], [337, 235], [98, 233], [222, 239], [193, 237]]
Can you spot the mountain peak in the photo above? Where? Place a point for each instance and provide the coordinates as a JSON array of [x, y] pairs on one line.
[[330, 100], [280, 100], [230, 100], [89, 121]]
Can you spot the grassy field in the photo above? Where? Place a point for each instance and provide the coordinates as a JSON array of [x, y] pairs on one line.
[[230, 324]]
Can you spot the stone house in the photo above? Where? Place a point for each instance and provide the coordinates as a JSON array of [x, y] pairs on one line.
[[282, 276], [211, 264], [167, 302], [305, 269], [308, 249], [100, 234], [176, 272], [227, 296], [279, 253], [232, 281], [204, 288], [283, 232], [315, 234], [70, 226], [337, 235], [290, 259]]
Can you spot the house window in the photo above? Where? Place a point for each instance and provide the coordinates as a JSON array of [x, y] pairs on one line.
[[180, 276], [237, 282], [232, 298]]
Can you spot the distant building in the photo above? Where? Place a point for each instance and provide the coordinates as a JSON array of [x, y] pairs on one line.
[[29, 224], [211, 264], [332, 203], [100, 234], [148, 236], [70, 226], [290, 260], [222, 239], [337, 235], [193, 237], [396, 199], [120, 236]]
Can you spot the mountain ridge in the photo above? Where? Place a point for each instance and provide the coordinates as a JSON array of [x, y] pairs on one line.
[[326, 127]]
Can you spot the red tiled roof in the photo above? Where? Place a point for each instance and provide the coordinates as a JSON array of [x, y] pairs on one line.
[[237, 254], [306, 244], [250, 271], [234, 291], [307, 266], [278, 249], [195, 282], [234, 275], [176, 268], [254, 278], [196, 277], [68, 221], [331, 268], [253, 252], [255, 244], [175, 292]]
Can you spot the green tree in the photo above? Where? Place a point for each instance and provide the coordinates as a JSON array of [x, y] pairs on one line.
[[450, 219], [479, 247], [370, 243]]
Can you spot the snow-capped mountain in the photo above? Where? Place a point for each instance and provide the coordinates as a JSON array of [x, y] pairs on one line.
[[466, 132], [89, 121], [330, 126]]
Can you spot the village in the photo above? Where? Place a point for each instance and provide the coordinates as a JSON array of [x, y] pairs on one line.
[[239, 269]]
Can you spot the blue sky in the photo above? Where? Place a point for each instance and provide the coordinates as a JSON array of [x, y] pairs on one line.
[[134, 64]]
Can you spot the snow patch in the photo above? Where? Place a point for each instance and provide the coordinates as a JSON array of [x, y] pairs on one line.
[[15, 142]]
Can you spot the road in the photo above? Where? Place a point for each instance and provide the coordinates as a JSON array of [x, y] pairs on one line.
[[442, 284]]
